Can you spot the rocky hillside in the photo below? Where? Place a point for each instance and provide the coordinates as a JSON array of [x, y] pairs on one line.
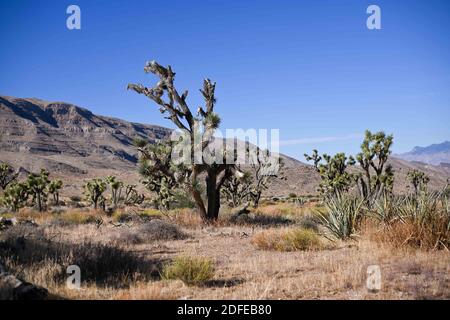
[[75, 144], [70, 141], [60, 129]]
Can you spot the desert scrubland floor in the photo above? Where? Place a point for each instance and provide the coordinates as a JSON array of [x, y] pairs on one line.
[[124, 259]]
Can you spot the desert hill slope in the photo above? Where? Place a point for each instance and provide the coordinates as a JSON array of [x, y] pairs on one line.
[[75, 144]]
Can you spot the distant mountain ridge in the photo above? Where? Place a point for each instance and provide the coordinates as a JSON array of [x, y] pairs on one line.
[[435, 154]]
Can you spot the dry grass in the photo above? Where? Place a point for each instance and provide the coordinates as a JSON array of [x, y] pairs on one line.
[[150, 231], [282, 209], [406, 233], [190, 270], [130, 270], [186, 217], [62, 216], [75, 217], [288, 240], [146, 291], [33, 253]]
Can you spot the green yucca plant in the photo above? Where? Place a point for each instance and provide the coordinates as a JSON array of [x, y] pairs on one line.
[[343, 214], [420, 209], [385, 208]]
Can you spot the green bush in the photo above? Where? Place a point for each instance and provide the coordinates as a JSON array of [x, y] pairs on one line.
[[190, 270]]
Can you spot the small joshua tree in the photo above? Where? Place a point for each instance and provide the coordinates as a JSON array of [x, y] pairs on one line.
[[176, 109], [264, 168], [333, 171], [161, 176], [132, 196], [15, 195], [378, 175], [37, 188], [7, 175], [237, 189], [53, 188], [116, 189], [418, 179], [94, 190]]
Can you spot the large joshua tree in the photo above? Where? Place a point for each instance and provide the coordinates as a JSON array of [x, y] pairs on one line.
[[173, 104]]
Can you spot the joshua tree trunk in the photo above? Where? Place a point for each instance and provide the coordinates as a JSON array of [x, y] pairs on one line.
[[39, 202], [56, 198], [256, 199], [213, 195], [95, 202]]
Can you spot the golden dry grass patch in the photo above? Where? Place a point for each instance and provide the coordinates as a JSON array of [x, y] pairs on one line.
[[288, 239]]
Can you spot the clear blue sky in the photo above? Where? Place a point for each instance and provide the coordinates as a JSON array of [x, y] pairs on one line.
[[310, 68]]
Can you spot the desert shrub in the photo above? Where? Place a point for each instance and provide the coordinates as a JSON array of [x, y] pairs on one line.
[[190, 270], [260, 220], [75, 198], [309, 222], [343, 215], [125, 236], [121, 216], [152, 230], [57, 210], [21, 231], [160, 230], [287, 240]]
